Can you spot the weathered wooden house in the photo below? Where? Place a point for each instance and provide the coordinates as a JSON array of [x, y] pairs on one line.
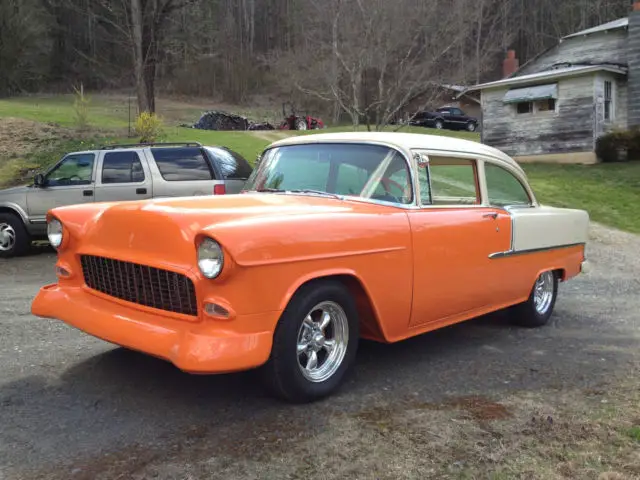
[[554, 107]]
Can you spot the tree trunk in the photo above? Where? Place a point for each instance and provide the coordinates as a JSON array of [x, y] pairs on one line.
[[139, 57]]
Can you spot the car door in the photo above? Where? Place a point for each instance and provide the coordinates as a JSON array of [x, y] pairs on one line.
[[449, 120], [453, 237], [122, 175], [71, 181]]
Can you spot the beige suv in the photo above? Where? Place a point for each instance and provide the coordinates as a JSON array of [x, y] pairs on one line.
[[115, 173]]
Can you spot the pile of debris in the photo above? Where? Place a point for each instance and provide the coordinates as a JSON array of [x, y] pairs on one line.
[[218, 120]]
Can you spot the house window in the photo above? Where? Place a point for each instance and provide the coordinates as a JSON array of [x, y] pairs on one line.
[[524, 107], [548, 105], [608, 100]]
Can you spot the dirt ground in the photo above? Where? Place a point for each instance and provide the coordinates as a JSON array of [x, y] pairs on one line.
[[20, 137], [480, 400]]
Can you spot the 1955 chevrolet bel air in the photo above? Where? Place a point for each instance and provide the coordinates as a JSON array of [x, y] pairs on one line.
[[335, 237]]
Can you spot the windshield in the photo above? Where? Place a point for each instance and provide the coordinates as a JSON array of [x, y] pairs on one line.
[[359, 170]]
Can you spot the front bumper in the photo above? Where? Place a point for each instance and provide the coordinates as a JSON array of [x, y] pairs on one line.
[[585, 266], [208, 346]]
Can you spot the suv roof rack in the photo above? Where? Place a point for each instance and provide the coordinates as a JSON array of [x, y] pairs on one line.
[[151, 144]]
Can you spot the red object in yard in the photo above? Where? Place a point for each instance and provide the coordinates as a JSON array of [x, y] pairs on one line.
[[293, 121], [219, 189]]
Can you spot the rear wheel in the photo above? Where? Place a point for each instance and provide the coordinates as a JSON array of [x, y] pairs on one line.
[[14, 238], [439, 124], [315, 343], [537, 310], [301, 124]]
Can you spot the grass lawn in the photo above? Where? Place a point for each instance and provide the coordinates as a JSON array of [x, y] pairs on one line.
[[609, 192]]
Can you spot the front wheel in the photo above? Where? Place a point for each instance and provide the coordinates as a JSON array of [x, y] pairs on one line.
[[471, 127], [537, 310], [315, 343], [14, 238], [439, 124]]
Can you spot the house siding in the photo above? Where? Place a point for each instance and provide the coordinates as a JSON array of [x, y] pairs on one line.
[[569, 129], [605, 47], [633, 50]]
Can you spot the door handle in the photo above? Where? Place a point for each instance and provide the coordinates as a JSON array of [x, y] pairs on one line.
[[87, 193], [141, 191], [492, 215]]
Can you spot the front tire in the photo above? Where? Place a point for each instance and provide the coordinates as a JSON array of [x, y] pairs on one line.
[[315, 343], [471, 127], [439, 124], [14, 238], [538, 308]]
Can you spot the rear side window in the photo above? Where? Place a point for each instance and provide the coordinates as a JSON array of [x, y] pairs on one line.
[[504, 188], [122, 167], [232, 165], [182, 164]]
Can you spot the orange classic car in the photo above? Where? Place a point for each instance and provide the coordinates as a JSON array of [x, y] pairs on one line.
[[335, 237]]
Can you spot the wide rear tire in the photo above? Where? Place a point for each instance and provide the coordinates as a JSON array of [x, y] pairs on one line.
[[315, 343], [538, 308]]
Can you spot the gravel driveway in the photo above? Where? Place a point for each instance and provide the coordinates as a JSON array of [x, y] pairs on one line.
[[72, 406]]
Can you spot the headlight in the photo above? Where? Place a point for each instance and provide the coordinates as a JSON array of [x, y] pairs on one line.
[[210, 258], [54, 232]]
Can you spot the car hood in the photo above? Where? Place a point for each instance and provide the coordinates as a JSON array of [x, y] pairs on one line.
[[250, 226]]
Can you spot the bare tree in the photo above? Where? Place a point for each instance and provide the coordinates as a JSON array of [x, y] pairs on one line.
[[374, 58]]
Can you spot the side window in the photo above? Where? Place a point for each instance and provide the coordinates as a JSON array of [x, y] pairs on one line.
[[504, 188], [351, 179], [453, 182], [73, 170], [182, 164], [122, 167], [232, 165]]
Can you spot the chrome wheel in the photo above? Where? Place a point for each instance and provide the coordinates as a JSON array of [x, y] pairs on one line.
[[7, 237], [471, 127], [543, 292], [322, 341]]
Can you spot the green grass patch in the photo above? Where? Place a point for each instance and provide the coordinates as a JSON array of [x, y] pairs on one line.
[[634, 433], [610, 192], [103, 112]]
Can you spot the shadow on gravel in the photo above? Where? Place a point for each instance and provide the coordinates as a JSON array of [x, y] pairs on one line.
[[122, 398]]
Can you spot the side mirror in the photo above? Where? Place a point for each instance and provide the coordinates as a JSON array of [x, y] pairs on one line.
[[39, 180]]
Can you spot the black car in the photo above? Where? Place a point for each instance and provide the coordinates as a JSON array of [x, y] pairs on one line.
[[451, 118]]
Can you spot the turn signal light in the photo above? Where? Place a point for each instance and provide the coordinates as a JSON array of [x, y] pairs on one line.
[[216, 310]]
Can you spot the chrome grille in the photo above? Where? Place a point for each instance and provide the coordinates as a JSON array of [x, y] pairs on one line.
[[140, 284]]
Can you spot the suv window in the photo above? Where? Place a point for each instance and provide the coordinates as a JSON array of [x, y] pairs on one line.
[[75, 169], [182, 164], [457, 111], [503, 187], [232, 165], [122, 167]]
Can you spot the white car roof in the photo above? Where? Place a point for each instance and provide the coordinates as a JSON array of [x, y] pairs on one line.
[[404, 141]]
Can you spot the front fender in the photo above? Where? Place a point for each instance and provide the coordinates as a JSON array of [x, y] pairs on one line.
[[16, 209]]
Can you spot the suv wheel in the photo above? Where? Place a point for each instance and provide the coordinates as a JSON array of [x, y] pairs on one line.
[[471, 127], [439, 124], [14, 239]]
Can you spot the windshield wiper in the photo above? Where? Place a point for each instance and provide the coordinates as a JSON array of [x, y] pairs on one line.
[[317, 192], [269, 190]]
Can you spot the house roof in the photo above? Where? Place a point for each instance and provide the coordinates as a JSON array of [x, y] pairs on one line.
[[404, 141], [550, 75], [614, 25]]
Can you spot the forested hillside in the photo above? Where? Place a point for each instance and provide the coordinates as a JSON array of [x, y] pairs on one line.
[[355, 57]]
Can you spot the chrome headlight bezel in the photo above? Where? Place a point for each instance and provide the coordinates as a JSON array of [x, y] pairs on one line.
[[55, 232], [210, 258]]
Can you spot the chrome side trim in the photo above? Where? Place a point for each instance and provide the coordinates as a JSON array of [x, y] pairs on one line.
[[511, 253]]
